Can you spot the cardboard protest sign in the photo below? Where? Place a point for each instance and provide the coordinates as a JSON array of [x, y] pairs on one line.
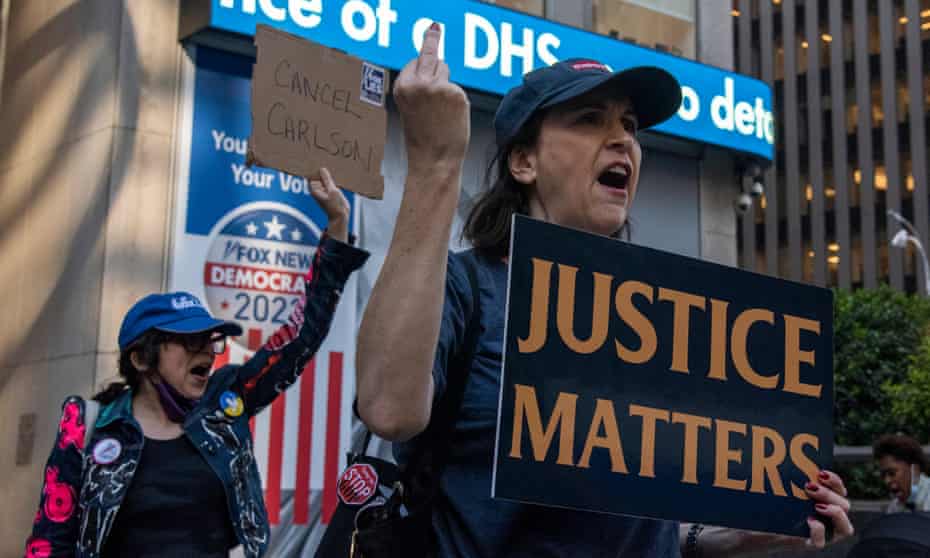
[[645, 383], [315, 107]]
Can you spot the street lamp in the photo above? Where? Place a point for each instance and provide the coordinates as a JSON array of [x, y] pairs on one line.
[[909, 234]]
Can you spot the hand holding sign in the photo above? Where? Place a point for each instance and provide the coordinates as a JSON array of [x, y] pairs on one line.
[[435, 111], [333, 202], [831, 503]]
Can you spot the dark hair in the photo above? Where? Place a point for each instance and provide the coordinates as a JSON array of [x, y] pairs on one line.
[[903, 448], [488, 223], [146, 346]]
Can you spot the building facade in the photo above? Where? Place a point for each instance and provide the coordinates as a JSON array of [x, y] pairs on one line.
[[851, 92], [109, 108]]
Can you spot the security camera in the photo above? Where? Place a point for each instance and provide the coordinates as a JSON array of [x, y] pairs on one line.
[[743, 203], [757, 188]]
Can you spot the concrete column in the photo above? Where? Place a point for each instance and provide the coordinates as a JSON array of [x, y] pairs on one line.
[[89, 99], [577, 13], [718, 215], [715, 33], [718, 181]]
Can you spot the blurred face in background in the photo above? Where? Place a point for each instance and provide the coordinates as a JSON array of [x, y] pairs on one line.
[[896, 475]]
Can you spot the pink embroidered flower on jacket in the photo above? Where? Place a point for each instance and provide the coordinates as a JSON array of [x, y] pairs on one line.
[[71, 429], [38, 548], [59, 497]]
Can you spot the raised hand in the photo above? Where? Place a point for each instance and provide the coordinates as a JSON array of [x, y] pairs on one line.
[[399, 331], [434, 111], [334, 203]]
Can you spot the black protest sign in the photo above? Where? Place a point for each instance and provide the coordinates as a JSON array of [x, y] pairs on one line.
[[644, 383]]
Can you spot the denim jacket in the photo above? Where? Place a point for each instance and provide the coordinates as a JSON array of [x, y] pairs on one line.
[[81, 493]]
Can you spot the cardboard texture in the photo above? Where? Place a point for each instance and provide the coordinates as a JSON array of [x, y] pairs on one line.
[[315, 107]]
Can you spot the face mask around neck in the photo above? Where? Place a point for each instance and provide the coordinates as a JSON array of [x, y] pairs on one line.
[[915, 483], [176, 406]]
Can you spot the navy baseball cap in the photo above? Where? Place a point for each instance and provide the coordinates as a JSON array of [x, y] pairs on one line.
[[655, 93], [177, 312]]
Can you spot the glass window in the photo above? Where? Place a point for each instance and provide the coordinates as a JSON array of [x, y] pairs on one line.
[[534, 7], [874, 45], [907, 190], [665, 25], [852, 111], [829, 188], [807, 272], [878, 116], [883, 268], [856, 259], [801, 50], [903, 99], [779, 62], [848, 46], [924, 20]]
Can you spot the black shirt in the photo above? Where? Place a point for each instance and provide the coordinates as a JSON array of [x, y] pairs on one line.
[[175, 506], [467, 522]]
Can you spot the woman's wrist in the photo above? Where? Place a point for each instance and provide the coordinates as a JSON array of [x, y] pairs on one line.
[[338, 228]]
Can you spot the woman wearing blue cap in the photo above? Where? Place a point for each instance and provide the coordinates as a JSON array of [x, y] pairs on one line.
[[567, 154], [168, 469]]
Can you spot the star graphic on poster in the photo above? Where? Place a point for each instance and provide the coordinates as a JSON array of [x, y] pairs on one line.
[[296, 236], [251, 229], [274, 228]]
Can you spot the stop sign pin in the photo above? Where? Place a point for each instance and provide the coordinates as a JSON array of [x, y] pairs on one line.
[[357, 484]]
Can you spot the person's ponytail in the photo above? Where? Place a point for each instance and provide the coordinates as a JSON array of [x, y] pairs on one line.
[[147, 346]]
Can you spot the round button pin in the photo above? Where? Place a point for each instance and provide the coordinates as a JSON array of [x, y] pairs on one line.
[[357, 484], [107, 451], [231, 403]]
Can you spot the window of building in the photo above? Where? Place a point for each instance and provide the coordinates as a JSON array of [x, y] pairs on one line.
[[664, 25], [856, 261], [874, 37], [878, 115], [535, 7], [924, 20]]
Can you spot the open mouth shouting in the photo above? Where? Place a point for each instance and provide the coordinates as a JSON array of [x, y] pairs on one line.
[[200, 371], [616, 176]]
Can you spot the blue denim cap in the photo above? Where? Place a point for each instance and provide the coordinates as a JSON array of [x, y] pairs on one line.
[[177, 312], [654, 93]]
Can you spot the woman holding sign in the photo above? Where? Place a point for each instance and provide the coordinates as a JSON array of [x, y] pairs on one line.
[[567, 154], [167, 468]]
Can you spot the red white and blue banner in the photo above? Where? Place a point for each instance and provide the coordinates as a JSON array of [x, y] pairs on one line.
[[242, 240]]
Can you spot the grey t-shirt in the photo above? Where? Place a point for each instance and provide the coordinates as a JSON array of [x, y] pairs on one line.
[[467, 522]]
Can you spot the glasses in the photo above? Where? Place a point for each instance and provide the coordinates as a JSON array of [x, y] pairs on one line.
[[200, 342]]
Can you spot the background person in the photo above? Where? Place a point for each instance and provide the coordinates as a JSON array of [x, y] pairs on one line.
[[568, 154], [169, 469], [903, 467]]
